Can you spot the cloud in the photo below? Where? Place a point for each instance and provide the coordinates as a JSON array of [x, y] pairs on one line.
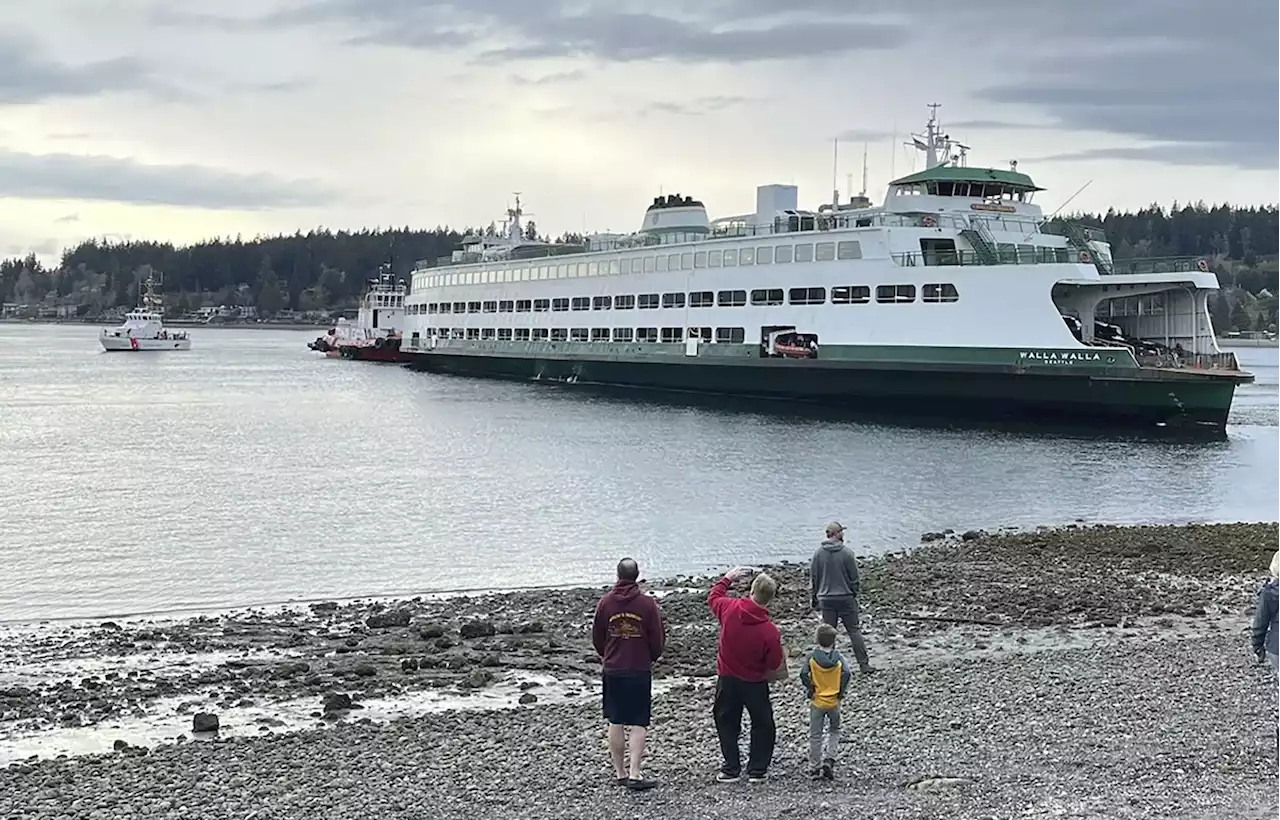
[[62, 220], [551, 79], [28, 77], [1185, 154], [508, 30], [1199, 79], [111, 179], [694, 108], [868, 135]]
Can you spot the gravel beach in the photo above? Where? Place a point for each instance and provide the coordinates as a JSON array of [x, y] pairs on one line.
[[1077, 672]]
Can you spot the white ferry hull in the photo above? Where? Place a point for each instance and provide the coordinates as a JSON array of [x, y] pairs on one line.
[[131, 344]]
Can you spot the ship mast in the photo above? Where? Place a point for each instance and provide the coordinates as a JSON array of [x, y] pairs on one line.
[[937, 145]]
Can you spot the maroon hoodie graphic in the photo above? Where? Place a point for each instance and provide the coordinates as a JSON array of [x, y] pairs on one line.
[[627, 631]]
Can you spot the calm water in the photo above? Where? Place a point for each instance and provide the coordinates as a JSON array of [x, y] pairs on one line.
[[251, 471]]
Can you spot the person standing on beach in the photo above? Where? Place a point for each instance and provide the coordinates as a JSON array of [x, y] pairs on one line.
[[1265, 628], [628, 635], [834, 582], [748, 657]]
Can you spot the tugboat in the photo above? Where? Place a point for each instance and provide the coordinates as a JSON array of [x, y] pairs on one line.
[[143, 327], [375, 335]]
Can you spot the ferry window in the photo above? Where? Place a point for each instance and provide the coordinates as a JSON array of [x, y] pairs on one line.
[[601, 302], [1026, 253], [506, 306], [1062, 254], [593, 268], [662, 263], [713, 259], [560, 304], [700, 259], [673, 261], [849, 250], [686, 260], [824, 251], [490, 307], [504, 334], [646, 334], [599, 334], [703, 333], [764, 255], [747, 256], [730, 257], [702, 298], [673, 300], [804, 253], [613, 266], [433, 308], [459, 307], [895, 294], [523, 305], [731, 335], [673, 334], [761, 296], [541, 305], [581, 303], [559, 334], [622, 334], [487, 334], [458, 333], [563, 271], [851, 295], [540, 334], [579, 334], [446, 307], [624, 302], [648, 264], [782, 254], [807, 296], [1008, 253], [473, 333], [522, 334], [943, 292], [649, 301]]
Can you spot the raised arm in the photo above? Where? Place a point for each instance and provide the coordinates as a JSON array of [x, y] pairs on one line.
[[718, 598]]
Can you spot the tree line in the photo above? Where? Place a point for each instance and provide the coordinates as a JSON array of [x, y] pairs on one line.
[[328, 270]]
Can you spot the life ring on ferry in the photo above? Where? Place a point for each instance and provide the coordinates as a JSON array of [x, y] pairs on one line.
[[1202, 265], [1086, 258], [928, 222]]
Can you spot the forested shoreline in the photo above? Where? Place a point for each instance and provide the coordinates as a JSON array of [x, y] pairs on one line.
[[326, 271]]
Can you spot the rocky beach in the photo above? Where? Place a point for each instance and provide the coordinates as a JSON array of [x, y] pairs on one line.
[[1077, 672]]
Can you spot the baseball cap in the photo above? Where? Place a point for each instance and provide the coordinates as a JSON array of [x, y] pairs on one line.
[[834, 527]]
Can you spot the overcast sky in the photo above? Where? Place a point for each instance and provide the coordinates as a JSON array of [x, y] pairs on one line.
[[184, 120]]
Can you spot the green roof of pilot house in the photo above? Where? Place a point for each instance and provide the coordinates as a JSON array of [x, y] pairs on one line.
[[952, 173]]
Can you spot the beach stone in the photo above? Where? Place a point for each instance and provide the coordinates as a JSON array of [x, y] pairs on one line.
[[445, 642], [530, 628], [365, 670], [324, 606], [528, 698], [336, 702], [204, 722], [932, 536], [477, 679], [385, 620], [430, 631], [477, 629], [972, 535], [409, 665]]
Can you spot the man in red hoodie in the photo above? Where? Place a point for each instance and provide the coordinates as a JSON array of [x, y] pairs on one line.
[[628, 635], [749, 656]]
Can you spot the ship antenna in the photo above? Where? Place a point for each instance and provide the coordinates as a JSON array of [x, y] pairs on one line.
[[835, 174], [893, 152], [864, 169]]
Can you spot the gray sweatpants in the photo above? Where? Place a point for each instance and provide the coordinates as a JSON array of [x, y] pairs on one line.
[[823, 745]]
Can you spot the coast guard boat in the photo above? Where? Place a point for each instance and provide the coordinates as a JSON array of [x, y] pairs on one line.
[[143, 328]]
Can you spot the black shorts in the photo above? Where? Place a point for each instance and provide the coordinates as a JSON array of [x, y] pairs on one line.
[[627, 698]]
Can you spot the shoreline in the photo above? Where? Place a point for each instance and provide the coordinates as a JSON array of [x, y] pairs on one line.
[[180, 324], [1068, 622]]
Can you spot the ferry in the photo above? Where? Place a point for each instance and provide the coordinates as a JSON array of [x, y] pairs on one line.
[[955, 297], [375, 335], [143, 328]]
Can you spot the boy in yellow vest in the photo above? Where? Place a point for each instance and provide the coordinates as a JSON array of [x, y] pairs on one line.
[[825, 678]]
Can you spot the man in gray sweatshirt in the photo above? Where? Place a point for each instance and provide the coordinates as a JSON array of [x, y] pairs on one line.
[[833, 576]]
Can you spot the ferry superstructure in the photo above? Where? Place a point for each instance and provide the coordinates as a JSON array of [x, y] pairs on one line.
[[954, 297]]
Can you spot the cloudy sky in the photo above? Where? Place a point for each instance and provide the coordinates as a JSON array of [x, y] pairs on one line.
[[182, 120]]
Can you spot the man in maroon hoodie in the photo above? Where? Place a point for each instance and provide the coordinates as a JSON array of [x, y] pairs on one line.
[[628, 635], [750, 655]]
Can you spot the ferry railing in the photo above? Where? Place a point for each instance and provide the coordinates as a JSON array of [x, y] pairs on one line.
[[1200, 361], [1161, 264], [1059, 227], [1007, 255]]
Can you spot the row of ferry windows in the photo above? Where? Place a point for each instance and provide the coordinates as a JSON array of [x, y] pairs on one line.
[[722, 335], [688, 260], [841, 295]]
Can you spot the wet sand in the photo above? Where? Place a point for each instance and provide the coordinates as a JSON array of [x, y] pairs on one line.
[[1087, 672]]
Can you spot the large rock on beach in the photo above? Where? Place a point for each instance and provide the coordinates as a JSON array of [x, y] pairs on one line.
[[203, 722], [386, 620], [477, 629]]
